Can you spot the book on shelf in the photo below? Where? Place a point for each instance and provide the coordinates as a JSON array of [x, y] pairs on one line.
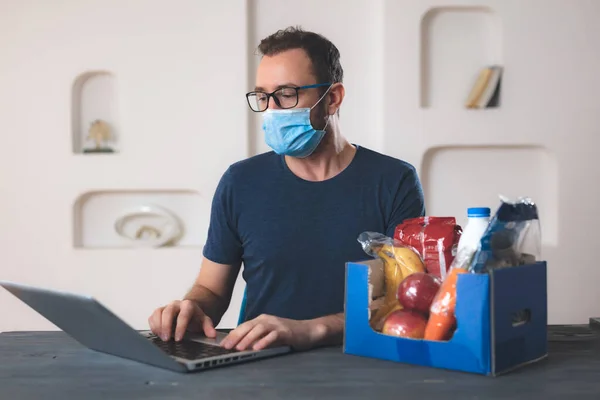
[[486, 90]]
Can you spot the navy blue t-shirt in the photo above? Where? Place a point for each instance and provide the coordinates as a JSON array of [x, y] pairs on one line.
[[294, 236]]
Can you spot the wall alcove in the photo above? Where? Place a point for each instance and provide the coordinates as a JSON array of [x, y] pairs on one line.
[[94, 108]]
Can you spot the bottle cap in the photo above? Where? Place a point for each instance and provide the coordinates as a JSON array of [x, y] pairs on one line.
[[478, 212]]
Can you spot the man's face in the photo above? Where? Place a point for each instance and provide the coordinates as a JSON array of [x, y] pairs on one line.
[[292, 68]]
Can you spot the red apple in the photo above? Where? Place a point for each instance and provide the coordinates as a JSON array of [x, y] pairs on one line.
[[406, 324], [416, 292]]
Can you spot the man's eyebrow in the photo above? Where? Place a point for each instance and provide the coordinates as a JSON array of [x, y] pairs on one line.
[[287, 84]]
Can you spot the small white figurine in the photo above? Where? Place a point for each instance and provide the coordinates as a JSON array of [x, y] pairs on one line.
[[99, 132]]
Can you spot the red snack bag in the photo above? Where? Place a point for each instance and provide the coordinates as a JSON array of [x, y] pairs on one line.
[[435, 238]]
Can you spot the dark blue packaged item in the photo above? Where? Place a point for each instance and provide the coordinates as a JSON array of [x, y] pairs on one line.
[[512, 238]]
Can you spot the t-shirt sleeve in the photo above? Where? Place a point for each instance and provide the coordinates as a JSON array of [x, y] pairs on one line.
[[408, 202], [223, 244]]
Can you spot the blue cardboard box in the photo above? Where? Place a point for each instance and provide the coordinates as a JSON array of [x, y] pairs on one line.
[[501, 322]]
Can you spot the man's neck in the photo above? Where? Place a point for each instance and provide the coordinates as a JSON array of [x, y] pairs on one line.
[[334, 154]]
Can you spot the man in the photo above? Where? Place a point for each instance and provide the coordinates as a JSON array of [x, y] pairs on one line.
[[292, 216]]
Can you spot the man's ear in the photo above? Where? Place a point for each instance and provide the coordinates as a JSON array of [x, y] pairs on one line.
[[336, 97]]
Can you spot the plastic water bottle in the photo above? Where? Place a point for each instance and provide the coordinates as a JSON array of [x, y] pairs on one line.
[[477, 222]]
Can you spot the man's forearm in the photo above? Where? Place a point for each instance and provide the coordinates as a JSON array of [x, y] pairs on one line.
[[212, 305], [327, 331]]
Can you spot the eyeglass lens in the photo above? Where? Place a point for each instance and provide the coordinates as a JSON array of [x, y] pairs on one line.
[[285, 98]]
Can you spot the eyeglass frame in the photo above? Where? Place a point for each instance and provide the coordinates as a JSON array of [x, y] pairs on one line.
[[272, 94]]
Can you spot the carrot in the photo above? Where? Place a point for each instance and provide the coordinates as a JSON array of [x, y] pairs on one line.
[[441, 317]]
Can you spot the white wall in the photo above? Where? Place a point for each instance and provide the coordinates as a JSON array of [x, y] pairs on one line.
[[180, 70]]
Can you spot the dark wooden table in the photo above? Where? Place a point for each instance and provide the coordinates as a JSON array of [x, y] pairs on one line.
[[50, 365]]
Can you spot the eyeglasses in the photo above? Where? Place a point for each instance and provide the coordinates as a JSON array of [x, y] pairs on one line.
[[284, 97]]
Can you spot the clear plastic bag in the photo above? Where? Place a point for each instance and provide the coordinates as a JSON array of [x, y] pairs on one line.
[[513, 237], [399, 261], [442, 320]]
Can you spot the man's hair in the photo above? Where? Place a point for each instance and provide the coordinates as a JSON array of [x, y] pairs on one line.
[[323, 54]]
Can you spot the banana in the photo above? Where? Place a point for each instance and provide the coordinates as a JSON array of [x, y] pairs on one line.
[[392, 269], [382, 312], [398, 263], [392, 276], [408, 260]]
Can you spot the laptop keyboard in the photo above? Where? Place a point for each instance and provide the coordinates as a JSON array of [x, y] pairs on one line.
[[189, 349]]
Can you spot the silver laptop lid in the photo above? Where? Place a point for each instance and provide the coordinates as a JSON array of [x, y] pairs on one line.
[[91, 324]]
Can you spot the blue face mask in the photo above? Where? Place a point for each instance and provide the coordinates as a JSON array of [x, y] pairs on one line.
[[289, 132]]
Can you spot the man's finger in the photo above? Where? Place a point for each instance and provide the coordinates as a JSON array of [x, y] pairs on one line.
[[237, 334], [186, 313], [168, 317], [208, 327], [267, 341], [155, 320], [256, 333]]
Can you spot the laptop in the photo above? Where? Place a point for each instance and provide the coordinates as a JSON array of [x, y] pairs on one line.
[[94, 326]]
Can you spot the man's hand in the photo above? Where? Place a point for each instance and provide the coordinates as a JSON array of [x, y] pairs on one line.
[[268, 331], [181, 315]]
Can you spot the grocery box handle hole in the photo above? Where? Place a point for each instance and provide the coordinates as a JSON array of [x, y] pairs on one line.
[[521, 317]]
